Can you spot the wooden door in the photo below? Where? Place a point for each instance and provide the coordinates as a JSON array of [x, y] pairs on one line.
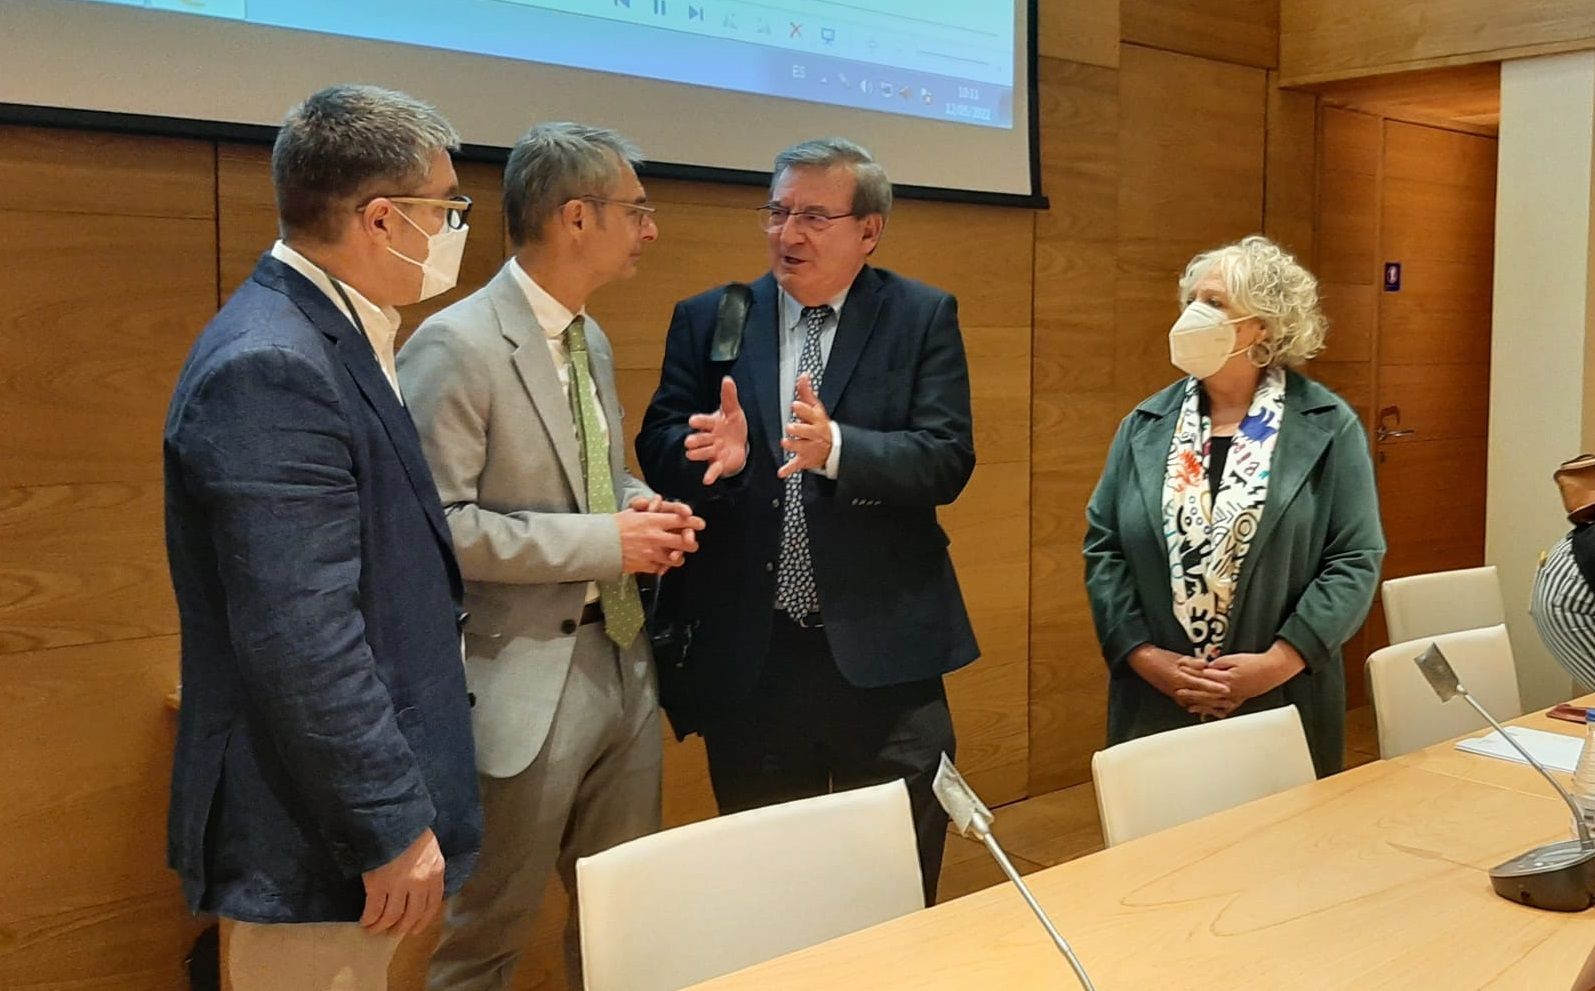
[[1412, 358], [1432, 347]]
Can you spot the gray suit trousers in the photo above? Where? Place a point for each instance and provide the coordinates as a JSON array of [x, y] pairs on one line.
[[594, 784]]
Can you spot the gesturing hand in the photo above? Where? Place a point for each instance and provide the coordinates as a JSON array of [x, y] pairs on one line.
[[808, 437], [721, 437]]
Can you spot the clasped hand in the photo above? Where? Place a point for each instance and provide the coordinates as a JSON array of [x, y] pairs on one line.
[[1216, 688], [656, 535]]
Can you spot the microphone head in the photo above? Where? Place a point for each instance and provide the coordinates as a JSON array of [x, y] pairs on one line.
[[1439, 673], [963, 806]]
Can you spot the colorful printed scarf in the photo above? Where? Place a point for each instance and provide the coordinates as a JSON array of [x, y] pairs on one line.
[[1208, 539]]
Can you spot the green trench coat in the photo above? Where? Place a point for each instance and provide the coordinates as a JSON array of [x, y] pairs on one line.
[[1308, 578]]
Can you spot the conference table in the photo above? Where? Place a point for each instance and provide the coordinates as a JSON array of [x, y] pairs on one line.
[[1373, 878]]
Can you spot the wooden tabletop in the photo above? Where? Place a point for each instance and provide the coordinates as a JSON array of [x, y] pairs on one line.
[[1374, 878]]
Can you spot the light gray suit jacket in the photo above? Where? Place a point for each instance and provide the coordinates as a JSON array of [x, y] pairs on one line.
[[498, 433]]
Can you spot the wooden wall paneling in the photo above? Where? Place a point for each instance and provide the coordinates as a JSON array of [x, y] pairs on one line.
[[84, 564], [989, 527], [1084, 31], [1350, 274], [1290, 171], [57, 170], [1180, 191], [1463, 98], [1243, 31], [103, 317], [1349, 267], [88, 900], [701, 245], [1322, 40], [1074, 409]]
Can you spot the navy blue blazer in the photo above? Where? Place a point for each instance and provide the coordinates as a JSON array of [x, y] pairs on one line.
[[897, 383], [325, 722]]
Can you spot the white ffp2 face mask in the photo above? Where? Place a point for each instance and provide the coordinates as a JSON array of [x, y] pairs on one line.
[[444, 252], [1202, 339]]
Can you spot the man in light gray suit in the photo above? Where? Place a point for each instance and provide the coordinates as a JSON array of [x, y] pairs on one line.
[[513, 392]]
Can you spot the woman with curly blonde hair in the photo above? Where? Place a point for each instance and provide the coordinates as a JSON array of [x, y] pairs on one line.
[[1233, 542]]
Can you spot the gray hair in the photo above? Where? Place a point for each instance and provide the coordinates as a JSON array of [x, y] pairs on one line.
[[1265, 281], [346, 143], [872, 190], [555, 163]]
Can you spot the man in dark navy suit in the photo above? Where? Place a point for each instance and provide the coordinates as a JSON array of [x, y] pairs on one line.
[[324, 788], [824, 602]]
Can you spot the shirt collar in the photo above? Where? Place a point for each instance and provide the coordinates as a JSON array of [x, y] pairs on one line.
[[792, 310], [552, 315], [380, 323]]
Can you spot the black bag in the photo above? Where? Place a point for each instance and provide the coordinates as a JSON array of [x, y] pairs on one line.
[[669, 631]]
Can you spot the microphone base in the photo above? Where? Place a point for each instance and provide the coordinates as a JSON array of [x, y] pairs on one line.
[[1557, 876]]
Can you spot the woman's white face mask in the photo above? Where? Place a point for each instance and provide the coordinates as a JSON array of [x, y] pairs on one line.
[[1202, 340]]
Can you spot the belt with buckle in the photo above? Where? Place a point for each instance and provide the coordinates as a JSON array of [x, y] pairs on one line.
[[592, 612], [808, 621]]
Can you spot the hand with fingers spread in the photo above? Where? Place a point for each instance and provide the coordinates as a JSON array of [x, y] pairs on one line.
[[405, 894], [721, 437], [808, 436]]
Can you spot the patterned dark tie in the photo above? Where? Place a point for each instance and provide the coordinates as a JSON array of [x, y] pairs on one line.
[[795, 591]]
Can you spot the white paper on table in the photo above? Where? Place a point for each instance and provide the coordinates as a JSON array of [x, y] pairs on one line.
[[1556, 751]]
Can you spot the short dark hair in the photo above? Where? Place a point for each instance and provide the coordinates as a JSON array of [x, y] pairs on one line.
[[872, 190], [346, 142], [554, 163]]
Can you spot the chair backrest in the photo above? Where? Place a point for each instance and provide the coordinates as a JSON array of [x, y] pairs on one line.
[[1444, 602], [1411, 716], [1162, 780], [682, 906]]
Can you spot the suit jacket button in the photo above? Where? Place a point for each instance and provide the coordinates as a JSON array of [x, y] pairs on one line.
[[568, 627], [470, 699], [775, 504], [769, 566]]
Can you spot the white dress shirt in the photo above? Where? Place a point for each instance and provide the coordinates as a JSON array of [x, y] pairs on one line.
[[379, 323], [793, 334], [553, 317]]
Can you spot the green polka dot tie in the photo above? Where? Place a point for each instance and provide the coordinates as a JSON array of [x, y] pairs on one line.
[[622, 605]]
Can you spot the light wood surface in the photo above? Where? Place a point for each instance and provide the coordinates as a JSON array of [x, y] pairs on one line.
[[1322, 40], [1241, 31], [1462, 98], [1375, 878], [1085, 31]]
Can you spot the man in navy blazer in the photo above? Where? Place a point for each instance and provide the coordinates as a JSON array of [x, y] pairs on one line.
[[324, 788], [823, 598]]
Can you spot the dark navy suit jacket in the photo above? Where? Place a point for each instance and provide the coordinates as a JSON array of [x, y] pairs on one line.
[[897, 383], [325, 722]]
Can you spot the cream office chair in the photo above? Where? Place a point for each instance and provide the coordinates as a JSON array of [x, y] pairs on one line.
[[1165, 779], [682, 906], [1411, 717], [1444, 602]]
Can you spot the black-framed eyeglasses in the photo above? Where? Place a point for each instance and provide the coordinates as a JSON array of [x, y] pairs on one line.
[[456, 209], [638, 211], [773, 217]]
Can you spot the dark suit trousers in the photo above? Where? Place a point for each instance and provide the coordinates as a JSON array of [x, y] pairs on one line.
[[808, 731]]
